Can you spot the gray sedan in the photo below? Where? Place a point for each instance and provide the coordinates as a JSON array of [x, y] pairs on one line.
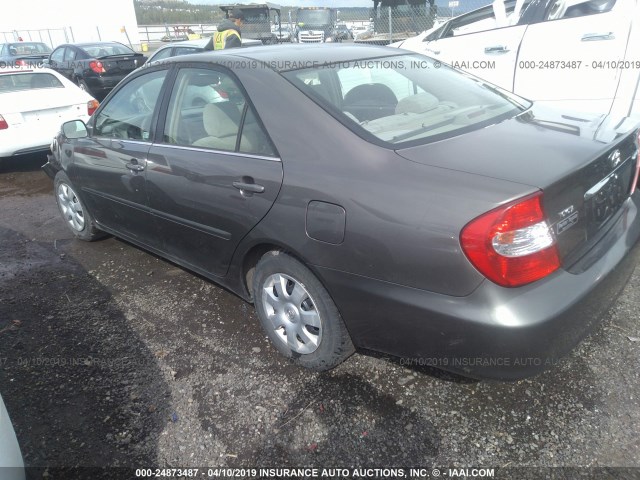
[[363, 197]]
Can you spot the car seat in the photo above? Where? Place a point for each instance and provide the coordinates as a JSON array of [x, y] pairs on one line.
[[221, 122], [370, 101]]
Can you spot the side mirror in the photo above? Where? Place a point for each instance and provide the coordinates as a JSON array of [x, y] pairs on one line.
[[75, 129]]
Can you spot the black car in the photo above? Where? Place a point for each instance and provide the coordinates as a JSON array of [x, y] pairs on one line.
[[95, 67], [365, 197], [23, 54], [343, 32]]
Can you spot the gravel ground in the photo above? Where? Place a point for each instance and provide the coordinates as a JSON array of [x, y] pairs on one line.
[[112, 356]]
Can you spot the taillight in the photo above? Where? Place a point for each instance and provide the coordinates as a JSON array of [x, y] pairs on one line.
[[21, 63], [3, 123], [634, 184], [513, 244], [97, 67], [92, 106]]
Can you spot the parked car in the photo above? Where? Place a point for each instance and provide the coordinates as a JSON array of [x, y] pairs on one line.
[[369, 200], [359, 29], [284, 34], [11, 464], [576, 54], [95, 67], [343, 32], [23, 54], [192, 46], [33, 105]]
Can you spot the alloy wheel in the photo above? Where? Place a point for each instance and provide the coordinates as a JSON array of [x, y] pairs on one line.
[[71, 207]]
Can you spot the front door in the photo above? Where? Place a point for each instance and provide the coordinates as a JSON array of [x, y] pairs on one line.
[[111, 162]]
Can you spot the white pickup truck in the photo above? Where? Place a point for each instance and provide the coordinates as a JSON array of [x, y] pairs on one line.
[[582, 55]]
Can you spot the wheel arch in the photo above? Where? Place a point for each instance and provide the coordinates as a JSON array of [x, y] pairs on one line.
[[253, 255]]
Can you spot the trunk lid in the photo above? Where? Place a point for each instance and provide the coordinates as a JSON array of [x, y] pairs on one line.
[[121, 64], [584, 169]]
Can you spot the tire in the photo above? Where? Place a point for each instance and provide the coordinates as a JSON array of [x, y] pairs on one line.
[[83, 86], [73, 210], [298, 315]]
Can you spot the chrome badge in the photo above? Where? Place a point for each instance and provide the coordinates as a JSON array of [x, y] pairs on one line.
[[615, 158]]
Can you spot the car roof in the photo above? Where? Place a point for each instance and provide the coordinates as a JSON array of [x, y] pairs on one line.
[[200, 43], [292, 57], [88, 44]]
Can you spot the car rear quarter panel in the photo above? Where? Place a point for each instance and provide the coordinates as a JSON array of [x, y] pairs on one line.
[[403, 218]]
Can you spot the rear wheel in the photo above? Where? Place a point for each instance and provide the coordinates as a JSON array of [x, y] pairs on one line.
[[73, 211], [298, 314], [83, 86]]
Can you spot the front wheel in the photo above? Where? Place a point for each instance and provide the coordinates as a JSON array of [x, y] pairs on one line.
[[73, 211], [298, 314]]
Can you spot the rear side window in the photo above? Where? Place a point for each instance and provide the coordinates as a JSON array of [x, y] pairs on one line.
[[28, 81], [165, 53], [209, 110]]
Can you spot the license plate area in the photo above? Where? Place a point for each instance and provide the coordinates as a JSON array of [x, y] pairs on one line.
[[126, 64], [606, 197]]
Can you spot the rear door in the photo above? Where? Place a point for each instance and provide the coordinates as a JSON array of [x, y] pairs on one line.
[[484, 43], [573, 56], [213, 174], [111, 162]]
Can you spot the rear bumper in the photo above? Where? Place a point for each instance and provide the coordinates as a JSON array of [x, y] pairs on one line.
[[495, 332], [103, 85]]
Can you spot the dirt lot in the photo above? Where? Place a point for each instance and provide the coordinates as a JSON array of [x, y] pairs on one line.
[[112, 356]]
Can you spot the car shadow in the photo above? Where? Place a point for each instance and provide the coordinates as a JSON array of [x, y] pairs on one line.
[[80, 385], [23, 163]]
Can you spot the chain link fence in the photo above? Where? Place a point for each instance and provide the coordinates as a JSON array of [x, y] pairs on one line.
[[51, 36], [384, 22]]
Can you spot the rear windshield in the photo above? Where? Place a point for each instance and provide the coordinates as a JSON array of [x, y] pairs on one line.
[[105, 50], [28, 48], [11, 82], [407, 99]]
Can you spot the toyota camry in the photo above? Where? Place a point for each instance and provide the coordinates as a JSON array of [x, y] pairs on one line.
[[364, 197]]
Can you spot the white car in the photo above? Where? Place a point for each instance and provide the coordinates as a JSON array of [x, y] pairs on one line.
[[11, 464], [576, 54], [33, 105]]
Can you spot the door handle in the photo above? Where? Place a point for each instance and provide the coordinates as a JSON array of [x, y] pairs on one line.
[[248, 187], [435, 52], [595, 37], [496, 49], [134, 166]]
